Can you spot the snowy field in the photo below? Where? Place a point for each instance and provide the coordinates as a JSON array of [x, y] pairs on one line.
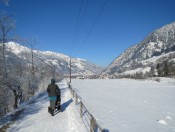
[[120, 105], [125, 105]]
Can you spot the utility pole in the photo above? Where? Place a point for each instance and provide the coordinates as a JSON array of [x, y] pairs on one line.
[[70, 69]]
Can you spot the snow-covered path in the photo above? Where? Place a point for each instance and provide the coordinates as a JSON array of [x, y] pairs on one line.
[[35, 117]]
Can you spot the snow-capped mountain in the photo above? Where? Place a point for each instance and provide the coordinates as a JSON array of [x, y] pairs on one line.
[[157, 47], [57, 61]]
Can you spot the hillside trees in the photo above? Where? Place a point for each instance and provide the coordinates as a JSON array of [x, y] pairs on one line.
[[158, 69], [21, 74], [13, 72], [166, 68], [6, 28], [31, 57]]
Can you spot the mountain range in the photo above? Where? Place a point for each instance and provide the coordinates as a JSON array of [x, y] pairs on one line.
[[56, 61], [157, 47]]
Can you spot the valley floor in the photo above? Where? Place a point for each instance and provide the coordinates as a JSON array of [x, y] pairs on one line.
[[120, 105], [125, 105]]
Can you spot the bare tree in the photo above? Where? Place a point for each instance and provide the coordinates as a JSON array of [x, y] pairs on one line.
[[6, 27], [30, 57], [32, 42], [6, 2]]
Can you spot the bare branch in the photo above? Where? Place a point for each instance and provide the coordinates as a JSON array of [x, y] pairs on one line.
[[6, 2]]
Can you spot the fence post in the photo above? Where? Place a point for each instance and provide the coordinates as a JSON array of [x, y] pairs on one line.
[[105, 130], [81, 109], [92, 125], [69, 85], [76, 98], [73, 93]]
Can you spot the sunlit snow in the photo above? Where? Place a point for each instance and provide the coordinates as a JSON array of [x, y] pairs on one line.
[[120, 105]]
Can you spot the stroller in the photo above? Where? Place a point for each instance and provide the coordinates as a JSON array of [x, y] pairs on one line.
[[57, 105]]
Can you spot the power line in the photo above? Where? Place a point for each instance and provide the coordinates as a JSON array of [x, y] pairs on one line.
[[82, 20], [76, 27], [92, 27]]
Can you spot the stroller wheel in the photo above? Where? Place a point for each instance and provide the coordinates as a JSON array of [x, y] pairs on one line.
[[49, 109]]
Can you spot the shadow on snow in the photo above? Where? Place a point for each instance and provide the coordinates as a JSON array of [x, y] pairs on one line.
[[66, 104], [31, 108]]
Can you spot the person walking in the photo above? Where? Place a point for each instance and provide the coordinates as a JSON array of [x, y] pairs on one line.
[[53, 91]]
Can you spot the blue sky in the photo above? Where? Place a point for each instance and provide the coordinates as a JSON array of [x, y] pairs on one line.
[[99, 32]]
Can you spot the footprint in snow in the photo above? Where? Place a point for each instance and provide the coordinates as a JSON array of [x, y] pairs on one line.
[[162, 122], [168, 117]]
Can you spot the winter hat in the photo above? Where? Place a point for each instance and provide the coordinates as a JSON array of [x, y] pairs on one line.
[[52, 80]]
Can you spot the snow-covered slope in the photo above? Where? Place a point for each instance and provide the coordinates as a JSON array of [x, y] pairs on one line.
[[155, 45], [57, 60]]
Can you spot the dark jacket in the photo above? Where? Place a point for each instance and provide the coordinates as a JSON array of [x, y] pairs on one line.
[[53, 89]]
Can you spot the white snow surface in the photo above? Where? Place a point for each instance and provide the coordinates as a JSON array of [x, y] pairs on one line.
[[35, 116], [120, 105], [124, 105], [16, 48], [138, 70]]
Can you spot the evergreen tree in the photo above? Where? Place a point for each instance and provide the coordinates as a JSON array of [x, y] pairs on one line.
[[166, 68], [158, 69]]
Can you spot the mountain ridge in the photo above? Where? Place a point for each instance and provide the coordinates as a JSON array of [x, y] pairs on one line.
[[158, 42], [80, 67]]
